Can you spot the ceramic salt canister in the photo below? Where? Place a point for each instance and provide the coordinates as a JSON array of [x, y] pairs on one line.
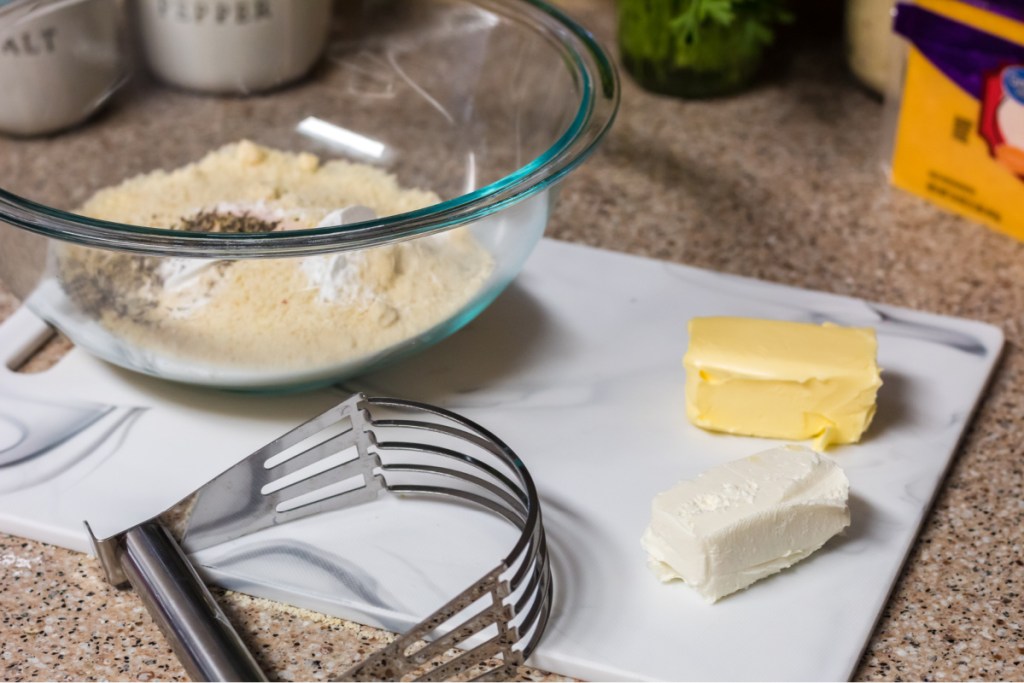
[[60, 60], [232, 47]]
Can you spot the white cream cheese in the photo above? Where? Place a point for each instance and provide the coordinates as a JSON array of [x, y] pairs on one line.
[[746, 519]]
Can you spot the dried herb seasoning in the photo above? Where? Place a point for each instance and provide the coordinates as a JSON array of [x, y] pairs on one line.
[[229, 223], [125, 285], [103, 282]]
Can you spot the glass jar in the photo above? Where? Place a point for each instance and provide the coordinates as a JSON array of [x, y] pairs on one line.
[[870, 44], [696, 48]]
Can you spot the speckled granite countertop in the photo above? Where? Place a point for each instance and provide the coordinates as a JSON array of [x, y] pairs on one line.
[[783, 183]]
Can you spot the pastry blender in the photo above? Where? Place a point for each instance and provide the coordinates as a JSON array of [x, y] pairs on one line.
[[393, 447]]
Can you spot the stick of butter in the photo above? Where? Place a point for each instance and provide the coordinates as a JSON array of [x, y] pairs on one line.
[[781, 379], [746, 519]]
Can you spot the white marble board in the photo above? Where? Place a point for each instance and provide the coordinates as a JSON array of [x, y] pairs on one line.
[[577, 367]]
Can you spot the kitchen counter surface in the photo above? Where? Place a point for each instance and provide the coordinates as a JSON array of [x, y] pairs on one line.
[[782, 183]]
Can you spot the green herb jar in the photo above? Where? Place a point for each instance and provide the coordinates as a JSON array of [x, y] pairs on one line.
[[696, 48]]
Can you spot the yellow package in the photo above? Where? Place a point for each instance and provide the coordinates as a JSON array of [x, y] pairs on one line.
[[960, 134]]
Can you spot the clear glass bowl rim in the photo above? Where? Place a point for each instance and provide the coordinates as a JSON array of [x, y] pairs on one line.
[[599, 86]]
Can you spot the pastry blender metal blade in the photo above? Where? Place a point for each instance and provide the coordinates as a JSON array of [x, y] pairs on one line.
[[396, 447]]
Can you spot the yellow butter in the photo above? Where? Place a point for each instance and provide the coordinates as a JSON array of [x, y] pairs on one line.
[[781, 379]]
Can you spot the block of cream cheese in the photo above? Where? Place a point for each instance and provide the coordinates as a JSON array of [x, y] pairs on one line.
[[746, 519], [781, 379]]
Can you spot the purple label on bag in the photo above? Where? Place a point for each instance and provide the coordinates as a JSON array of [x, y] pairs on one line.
[[964, 54], [1008, 8]]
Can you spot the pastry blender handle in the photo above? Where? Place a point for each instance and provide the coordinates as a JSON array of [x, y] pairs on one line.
[[147, 557]]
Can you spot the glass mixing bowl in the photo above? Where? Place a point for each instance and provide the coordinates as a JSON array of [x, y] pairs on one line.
[[291, 200]]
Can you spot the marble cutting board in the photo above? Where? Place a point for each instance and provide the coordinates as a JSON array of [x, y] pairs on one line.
[[580, 374]]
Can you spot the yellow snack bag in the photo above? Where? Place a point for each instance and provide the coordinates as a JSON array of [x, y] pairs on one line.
[[960, 133]]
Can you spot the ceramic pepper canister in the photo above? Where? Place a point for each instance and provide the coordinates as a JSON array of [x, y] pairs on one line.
[[237, 47]]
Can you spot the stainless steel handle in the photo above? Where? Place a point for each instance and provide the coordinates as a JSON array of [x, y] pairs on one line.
[[198, 630]]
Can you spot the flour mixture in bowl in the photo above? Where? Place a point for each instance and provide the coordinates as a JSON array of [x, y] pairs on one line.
[[244, 322]]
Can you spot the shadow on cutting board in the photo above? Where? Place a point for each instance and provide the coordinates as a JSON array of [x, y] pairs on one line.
[[505, 339]]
